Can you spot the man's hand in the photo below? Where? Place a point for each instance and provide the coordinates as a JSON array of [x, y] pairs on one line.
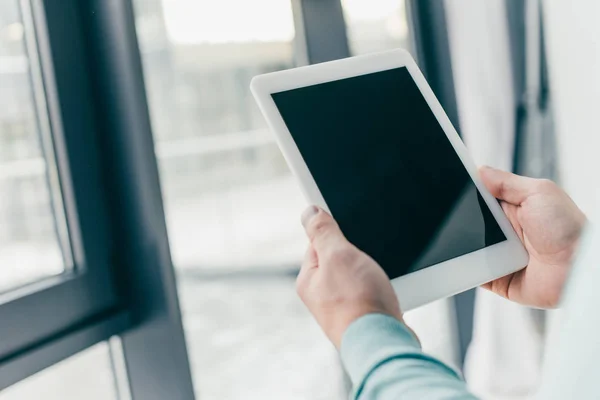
[[548, 223], [338, 282]]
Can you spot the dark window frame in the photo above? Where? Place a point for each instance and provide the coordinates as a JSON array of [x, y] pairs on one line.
[[105, 158], [38, 317]]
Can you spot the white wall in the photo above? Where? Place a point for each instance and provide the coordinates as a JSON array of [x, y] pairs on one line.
[[573, 43]]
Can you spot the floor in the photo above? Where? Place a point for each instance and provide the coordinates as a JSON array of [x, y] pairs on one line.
[[253, 339]]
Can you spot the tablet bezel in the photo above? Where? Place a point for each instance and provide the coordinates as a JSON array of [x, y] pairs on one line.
[[431, 283]]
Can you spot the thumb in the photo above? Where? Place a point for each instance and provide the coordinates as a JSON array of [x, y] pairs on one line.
[[321, 228], [507, 186]]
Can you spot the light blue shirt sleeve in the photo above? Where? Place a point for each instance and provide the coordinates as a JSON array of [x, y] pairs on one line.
[[385, 362]]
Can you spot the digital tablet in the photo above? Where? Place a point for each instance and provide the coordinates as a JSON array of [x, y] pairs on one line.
[[370, 143]]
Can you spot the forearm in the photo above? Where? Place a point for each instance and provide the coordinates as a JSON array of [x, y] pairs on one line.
[[384, 361]]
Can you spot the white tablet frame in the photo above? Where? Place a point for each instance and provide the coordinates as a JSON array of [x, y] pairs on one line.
[[438, 281]]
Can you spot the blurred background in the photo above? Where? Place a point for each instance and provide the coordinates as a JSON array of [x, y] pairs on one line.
[[517, 77]]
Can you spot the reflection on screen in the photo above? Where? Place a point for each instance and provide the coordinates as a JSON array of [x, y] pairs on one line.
[[387, 170]]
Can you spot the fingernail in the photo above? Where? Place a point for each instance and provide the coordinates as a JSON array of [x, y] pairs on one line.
[[308, 214], [487, 167]]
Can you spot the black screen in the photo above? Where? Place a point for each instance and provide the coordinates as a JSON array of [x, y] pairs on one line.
[[387, 171]]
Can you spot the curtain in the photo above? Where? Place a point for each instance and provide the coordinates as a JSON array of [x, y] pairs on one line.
[[504, 357]]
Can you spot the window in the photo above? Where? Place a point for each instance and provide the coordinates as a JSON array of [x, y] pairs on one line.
[[57, 289], [376, 25], [33, 236], [219, 164], [232, 205], [87, 375]]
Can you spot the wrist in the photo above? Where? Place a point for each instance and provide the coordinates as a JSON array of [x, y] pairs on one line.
[[347, 319], [372, 338]]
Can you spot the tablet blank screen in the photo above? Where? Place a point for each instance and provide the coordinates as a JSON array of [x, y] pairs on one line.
[[387, 171]]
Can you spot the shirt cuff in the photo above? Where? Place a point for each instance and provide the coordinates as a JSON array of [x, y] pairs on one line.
[[372, 339]]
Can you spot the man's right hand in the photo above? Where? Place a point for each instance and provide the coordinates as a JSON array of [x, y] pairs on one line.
[[548, 223], [338, 282]]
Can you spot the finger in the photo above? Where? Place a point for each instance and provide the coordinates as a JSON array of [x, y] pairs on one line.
[[507, 186], [321, 229], [308, 268], [512, 287], [310, 259], [503, 286], [511, 212], [500, 286]]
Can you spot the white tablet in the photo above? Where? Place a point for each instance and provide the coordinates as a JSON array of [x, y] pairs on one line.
[[370, 143]]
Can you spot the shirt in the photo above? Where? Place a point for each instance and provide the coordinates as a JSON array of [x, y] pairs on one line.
[[385, 362]]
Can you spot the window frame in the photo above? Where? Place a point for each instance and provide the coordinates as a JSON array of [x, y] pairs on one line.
[[38, 314], [321, 32], [155, 349], [112, 200]]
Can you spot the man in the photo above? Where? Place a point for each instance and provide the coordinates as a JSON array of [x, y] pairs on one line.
[[353, 301]]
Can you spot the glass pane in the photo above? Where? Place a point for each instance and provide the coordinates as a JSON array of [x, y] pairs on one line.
[[376, 25], [87, 375], [32, 224], [232, 205]]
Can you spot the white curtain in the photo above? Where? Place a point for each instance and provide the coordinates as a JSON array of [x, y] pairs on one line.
[[503, 360], [573, 46]]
